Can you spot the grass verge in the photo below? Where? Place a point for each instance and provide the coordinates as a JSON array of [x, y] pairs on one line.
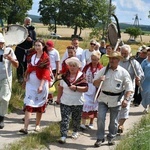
[[138, 138], [40, 140]]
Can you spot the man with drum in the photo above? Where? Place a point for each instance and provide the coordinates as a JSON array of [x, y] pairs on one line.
[[22, 49]]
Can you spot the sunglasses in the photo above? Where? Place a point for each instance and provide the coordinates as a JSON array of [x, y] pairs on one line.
[[92, 44]]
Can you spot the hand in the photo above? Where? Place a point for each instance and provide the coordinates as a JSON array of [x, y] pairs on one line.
[[102, 78], [40, 89], [72, 87], [57, 101], [29, 39], [124, 103], [137, 80]]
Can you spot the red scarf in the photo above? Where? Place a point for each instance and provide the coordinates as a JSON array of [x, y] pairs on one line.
[[98, 67], [42, 68]]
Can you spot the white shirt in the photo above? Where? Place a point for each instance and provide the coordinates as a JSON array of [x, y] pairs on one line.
[[86, 57], [70, 97], [116, 81], [54, 56], [7, 63]]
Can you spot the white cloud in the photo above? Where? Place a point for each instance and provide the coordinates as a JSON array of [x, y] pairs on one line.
[[127, 9]]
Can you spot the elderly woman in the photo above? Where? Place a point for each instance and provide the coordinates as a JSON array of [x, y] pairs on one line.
[[70, 97], [90, 108]]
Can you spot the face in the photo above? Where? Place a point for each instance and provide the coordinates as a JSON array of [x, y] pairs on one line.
[[71, 53], [27, 22], [124, 53], [108, 50], [38, 46], [1, 45], [75, 43], [114, 62], [92, 45], [143, 54], [94, 60], [102, 44], [73, 68]]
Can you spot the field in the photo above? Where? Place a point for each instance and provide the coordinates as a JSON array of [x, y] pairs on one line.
[[65, 32]]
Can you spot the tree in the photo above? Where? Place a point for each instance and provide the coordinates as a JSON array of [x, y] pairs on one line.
[[14, 11], [18, 10], [49, 10], [134, 32], [78, 14]]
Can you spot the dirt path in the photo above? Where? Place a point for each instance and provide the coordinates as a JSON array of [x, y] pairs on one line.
[[85, 141]]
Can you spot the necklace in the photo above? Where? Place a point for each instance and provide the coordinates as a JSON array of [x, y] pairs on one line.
[[73, 78]]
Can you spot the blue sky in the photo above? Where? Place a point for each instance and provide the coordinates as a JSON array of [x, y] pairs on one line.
[[125, 10]]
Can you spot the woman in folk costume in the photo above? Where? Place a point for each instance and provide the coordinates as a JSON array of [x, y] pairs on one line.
[[90, 108], [70, 97], [37, 79]]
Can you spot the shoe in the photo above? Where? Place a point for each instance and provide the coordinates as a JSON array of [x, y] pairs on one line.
[[145, 111], [120, 129], [98, 142], [136, 105], [75, 135], [91, 126], [50, 101], [82, 126], [24, 131], [1, 122], [62, 140], [37, 128], [111, 142]]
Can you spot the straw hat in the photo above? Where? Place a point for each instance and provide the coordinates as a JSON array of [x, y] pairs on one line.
[[115, 54]]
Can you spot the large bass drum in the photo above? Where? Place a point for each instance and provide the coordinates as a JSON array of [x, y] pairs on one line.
[[15, 35]]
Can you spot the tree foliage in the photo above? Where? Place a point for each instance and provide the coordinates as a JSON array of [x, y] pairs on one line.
[[14, 11], [134, 32], [78, 14]]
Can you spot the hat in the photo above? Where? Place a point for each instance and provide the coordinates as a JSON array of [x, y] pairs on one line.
[[142, 48], [74, 60], [2, 38], [115, 54], [50, 43]]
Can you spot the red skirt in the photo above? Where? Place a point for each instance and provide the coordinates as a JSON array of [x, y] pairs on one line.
[[35, 109], [90, 114]]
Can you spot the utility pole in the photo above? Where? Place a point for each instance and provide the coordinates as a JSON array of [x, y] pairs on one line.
[[136, 23]]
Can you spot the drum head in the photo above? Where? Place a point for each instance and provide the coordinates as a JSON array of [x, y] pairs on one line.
[[112, 34], [15, 35]]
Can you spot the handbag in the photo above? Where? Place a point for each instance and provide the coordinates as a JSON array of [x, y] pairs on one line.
[[52, 89]]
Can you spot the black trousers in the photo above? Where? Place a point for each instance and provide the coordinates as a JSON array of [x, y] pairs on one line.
[[137, 96]]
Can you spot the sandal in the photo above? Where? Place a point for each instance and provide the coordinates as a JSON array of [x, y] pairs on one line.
[[120, 129], [24, 131]]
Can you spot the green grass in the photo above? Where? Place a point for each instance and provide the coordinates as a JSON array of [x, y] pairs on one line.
[[138, 138], [40, 140]]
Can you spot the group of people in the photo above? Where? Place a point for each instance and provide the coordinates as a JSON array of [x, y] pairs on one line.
[[82, 72]]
